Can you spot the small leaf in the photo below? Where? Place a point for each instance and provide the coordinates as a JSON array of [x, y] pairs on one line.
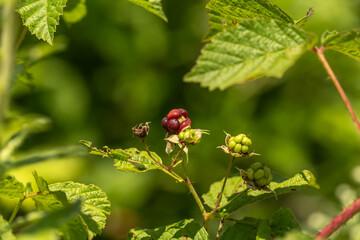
[[253, 49], [227, 13], [236, 194], [244, 231], [302, 21], [130, 159], [5, 230], [295, 235], [347, 42], [153, 6], [95, 203], [11, 188], [41, 17], [75, 11], [186, 229], [283, 221]]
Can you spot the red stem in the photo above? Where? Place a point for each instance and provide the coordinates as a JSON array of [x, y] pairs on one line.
[[339, 220]]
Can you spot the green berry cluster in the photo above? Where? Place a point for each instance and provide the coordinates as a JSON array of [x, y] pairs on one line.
[[189, 136], [259, 174], [239, 144]]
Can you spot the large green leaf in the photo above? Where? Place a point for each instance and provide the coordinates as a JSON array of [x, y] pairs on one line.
[[347, 42], [42, 16], [11, 188], [153, 6], [236, 194], [5, 230], [245, 230], [283, 221], [129, 159], [95, 204], [185, 229], [227, 13], [295, 235], [252, 49]]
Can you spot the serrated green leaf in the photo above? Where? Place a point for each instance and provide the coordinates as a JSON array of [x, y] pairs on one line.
[[153, 6], [41, 17], [5, 230], [253, 49], [185, 229], [130, 159], [227, 13], [75, 11], [11, 188], [347, 42], [283, 221], [95, 203], [245, 231], [236, 197]]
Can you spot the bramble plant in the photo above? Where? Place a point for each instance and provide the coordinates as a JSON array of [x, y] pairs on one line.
[[247, 40]]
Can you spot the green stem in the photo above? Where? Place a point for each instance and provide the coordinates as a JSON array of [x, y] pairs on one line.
[[21, 37], [162, 166], [224, 183], [221, 225], [320, 53], [7, 57], [193, 192], [175, 159], [16, 210]]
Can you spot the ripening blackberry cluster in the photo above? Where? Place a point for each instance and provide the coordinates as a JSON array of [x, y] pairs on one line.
[[176, 121], [259, 174], [239, 144]]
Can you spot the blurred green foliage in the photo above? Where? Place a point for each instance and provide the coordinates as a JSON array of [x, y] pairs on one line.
[[121, 66]]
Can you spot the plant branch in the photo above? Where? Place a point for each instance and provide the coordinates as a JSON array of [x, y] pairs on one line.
[[224, 183], [16, 210], [221, 225], [193, 192], [21, 37], [320, 53], [175, 159], [339, 220]]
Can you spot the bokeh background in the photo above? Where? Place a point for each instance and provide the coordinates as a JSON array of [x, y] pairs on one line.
[[122, 65]]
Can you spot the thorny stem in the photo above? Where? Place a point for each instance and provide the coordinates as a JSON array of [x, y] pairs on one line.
[[320, 53], [193, 191], [163, 167], [339, 220], [221, 225]]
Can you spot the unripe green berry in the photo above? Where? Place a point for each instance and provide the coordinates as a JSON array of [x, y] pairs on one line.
[[239, 138], [181, 135], [232, 144], [186, 134], [196, 137], [250, 174], [232, 139], [269, 179], [261, 182], [192, 132], [259, 173], [244, 149], [237, 148], [256, 166], [246, 141], [267, 171]]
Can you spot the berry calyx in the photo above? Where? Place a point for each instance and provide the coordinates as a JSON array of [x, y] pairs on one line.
[[175, 113]]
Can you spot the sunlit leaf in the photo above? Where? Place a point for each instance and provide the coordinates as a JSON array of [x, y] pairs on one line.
[[153, 6], [129, 159], [252, 49], [186, 229], [11, 188], [245, 231], [347, 42], [237, 195], [95, 204], [227, 13], [42, 16], [283, 221]]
